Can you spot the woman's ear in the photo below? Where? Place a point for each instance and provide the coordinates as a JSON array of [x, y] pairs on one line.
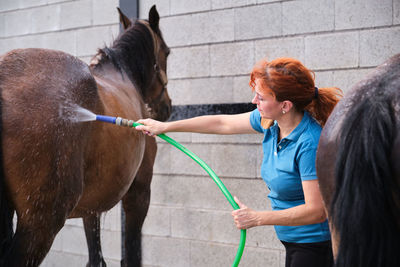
[[287, 105]]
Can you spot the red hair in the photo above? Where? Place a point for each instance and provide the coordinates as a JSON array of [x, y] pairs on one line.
[[288, 79]]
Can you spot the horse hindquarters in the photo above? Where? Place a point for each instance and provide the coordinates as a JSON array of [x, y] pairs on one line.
[[43, 150], [136, 204]]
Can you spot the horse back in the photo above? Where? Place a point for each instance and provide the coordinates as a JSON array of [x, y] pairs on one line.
[[43, 149]]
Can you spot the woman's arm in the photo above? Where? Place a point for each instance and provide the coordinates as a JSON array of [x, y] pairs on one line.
[[309, 213], [211, 124]]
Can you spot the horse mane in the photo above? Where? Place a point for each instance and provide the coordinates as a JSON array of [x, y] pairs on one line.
[[364, 208], [131, 53]]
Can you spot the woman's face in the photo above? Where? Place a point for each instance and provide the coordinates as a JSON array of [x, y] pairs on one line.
[[266, 103]]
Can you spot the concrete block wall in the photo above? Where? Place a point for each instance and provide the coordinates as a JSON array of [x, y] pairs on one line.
[[77, 27], [214, 44]]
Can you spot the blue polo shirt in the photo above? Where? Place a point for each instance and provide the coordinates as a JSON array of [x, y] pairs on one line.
[[285, 165]]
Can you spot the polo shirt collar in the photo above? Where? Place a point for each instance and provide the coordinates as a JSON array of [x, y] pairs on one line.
[[295, 134]]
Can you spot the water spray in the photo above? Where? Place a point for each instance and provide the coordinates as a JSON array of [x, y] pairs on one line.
[[130, 123]]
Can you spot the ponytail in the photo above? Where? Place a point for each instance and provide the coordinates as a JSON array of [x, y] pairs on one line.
[[322, 105]]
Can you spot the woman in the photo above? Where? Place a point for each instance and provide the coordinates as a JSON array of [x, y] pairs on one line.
[[290, 113]]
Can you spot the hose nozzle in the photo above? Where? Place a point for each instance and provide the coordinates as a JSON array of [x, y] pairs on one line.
[[124, 122], [117, 121]]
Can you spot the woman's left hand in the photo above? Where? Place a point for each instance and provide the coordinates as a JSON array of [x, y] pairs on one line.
[[245, 217]]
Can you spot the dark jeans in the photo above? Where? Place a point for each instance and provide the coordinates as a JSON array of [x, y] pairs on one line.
[[308, 254]]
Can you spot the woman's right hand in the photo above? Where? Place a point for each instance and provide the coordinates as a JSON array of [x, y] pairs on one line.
[[151, 127]]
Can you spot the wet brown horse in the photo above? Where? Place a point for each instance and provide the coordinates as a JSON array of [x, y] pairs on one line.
[[359, 172], [54, 168]]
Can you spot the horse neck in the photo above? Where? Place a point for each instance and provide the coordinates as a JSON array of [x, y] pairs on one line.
[[129, 62], [111, 83]]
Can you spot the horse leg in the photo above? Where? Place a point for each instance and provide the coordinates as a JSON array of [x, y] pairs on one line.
[[136, 204], [92, 232], [33, 238], [42, 203], [23, 253]]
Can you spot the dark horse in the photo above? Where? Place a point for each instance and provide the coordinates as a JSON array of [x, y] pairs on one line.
[[54, 168], [358, 165]]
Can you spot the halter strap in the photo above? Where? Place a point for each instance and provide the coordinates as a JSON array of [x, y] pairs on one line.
[[161, 75]]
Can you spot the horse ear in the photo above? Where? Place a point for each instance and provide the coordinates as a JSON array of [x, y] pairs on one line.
[[154, 18], [125, 21]]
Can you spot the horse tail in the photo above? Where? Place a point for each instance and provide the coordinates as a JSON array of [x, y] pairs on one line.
[[6, 212], [363, 208]]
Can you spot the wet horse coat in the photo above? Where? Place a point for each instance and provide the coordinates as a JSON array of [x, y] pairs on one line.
[[54, 168], [359, 172]]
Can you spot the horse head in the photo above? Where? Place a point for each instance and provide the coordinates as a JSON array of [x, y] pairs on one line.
[[154, 89]]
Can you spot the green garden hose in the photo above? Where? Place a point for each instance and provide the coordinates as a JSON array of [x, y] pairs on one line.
[[211, 173], [216, 179]]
